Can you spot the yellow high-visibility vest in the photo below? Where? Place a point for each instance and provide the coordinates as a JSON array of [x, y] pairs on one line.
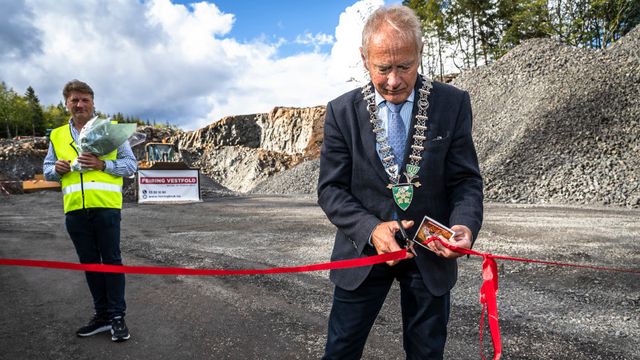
[[91, 189]]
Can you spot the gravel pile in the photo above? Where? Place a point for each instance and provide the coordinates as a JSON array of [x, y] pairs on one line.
[[210, 188], [552, 124], [556, 124], [302, 179]]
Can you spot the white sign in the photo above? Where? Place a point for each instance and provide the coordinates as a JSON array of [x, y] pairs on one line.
[[168, 186]]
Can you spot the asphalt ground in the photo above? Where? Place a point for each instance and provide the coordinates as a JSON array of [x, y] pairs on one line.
[[546, 312]]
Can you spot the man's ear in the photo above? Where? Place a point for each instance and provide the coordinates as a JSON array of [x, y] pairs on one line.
[[364, 59]]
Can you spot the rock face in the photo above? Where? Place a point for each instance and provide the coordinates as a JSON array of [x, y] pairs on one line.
[[293, 131], [241, 151]]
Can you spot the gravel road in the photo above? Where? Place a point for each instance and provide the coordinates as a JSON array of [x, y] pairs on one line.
[[546, 312]]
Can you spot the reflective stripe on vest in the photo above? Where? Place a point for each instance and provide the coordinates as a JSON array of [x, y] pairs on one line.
[[90, 189], [91, 186]]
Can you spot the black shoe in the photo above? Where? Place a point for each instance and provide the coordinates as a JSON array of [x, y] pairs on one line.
[[97, 324], [119, 330]]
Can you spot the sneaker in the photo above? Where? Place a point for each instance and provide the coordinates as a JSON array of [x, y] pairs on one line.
[[97, 324], [119, 330]]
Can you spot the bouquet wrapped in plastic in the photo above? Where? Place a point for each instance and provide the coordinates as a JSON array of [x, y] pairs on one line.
[[100, 137]]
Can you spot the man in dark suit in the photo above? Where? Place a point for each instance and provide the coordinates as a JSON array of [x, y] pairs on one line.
[[399, 148]]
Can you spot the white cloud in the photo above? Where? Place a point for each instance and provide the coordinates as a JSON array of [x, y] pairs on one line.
[[345, 54], [316, 40], [169, 62]]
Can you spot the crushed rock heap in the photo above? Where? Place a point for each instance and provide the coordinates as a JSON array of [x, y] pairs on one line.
[[302, 179], [557, 124]]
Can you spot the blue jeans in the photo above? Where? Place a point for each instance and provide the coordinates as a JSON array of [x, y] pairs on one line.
[[424, 316], [96, 236]]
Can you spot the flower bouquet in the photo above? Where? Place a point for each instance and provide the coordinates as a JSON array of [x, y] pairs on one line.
[[100, 137]]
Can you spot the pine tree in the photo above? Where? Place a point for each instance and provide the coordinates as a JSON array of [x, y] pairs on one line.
[[35, 113]]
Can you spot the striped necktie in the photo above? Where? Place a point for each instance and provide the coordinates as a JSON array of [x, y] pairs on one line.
[[396, 132]]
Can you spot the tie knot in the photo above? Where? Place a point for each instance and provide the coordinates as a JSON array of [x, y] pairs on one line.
[[394, 108]]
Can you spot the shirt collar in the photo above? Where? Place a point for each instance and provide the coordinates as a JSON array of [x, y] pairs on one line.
[[74, 131]]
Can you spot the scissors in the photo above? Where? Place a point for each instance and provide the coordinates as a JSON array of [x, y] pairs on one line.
[[408, 243]]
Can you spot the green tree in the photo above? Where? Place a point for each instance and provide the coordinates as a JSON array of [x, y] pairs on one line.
[[13, 111], [592, 23], [4, 109], [476, 24], [611, 19], [521, 20], [476, 32], [468, 28], [56, 115], [24, 115], [431, 14], [34, 113]]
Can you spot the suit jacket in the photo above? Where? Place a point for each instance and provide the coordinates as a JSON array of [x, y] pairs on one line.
[[352, 187]]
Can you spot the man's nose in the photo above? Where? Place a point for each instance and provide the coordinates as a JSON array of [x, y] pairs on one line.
[[393, 80]]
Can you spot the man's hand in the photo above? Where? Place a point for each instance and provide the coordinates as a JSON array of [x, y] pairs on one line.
[[383, 238], [462, 238], [90, 161], [62, 167]]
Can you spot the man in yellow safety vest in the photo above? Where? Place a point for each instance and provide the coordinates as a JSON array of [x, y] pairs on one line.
[[92, 203]]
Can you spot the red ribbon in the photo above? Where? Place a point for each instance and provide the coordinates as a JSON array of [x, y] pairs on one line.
[[154, 270], [488, 299], [488, 290], [488, 294]]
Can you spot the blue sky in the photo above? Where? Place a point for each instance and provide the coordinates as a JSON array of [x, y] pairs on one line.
[[285, 19], [183, 62]]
